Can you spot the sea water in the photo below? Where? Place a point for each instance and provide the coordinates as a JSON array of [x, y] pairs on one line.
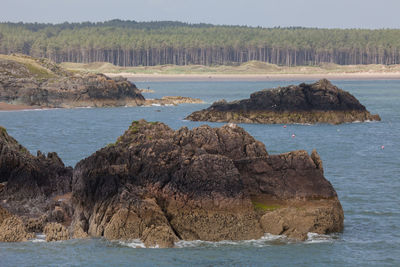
[[365, 175]]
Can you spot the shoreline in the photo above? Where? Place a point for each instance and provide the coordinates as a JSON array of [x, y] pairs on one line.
[[16, 107], [257, 77]]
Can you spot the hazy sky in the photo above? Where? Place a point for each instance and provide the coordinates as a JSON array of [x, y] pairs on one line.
[[266, 13]]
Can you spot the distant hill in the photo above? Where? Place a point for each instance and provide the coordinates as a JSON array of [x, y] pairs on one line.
[[131, 43]]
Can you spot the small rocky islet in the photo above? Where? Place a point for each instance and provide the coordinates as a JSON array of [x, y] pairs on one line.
[[161, 185], [319, 102], [40, 83]]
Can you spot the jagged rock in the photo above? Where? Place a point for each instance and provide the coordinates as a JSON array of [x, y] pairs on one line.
[[30, 182], [162, 185], [55, 232], [12, 229], [320, 102], [39, 82], [31, 189]]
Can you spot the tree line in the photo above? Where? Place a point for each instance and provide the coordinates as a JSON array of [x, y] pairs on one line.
[[131, 43]]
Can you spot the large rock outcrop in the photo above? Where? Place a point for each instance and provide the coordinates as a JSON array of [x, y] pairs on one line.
[[35, 190], [39, 82], [162, 185], [320, 102]]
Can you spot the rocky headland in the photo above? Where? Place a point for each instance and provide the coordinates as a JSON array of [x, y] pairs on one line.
[[320, 102], [39, 83], [161, 186]]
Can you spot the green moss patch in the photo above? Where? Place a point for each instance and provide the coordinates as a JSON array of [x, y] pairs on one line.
[[263, 207]]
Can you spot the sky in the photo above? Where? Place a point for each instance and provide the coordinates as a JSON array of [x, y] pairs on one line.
[[372, 14]]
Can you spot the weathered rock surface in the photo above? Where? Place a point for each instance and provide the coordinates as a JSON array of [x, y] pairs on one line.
[[162, 185], [38, 82], [31, 188], [320, 102], [55, 232]]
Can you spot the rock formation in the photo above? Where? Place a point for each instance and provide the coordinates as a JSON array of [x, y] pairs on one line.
[[31, 189], [39, 82], [162, 185], [32, 82], [320, 102]]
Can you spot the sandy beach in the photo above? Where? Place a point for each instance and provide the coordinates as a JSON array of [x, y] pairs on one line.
[[11, 107], [258, 77]]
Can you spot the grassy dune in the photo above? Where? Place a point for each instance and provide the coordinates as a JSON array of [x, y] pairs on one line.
[[36, 66], [252, 67]]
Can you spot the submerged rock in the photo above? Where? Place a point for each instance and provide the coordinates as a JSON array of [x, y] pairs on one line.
[[214, 184], [173, 100], [320, 102]]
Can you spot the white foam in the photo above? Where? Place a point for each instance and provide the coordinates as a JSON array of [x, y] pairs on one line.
[[39, 238], [156, 105], [262, 242], [135, 243], [318, 238]]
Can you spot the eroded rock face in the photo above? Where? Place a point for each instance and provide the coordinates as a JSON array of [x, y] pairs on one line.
[[320, 102], [39, 82], [161, 185]]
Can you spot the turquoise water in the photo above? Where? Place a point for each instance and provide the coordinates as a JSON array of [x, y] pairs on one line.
[[366, 177]]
